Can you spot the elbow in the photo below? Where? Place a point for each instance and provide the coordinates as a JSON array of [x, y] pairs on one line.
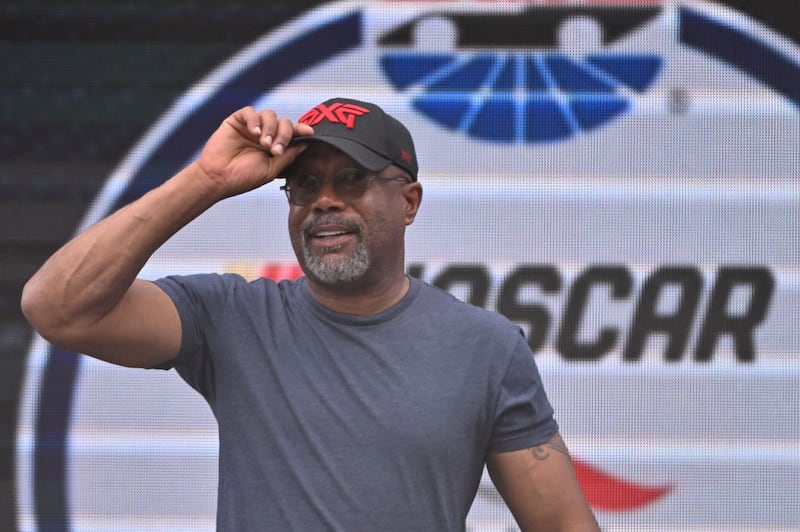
[[32, 304], [42, 314]]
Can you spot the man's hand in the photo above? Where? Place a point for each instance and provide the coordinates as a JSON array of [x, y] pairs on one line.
[[249, 149]]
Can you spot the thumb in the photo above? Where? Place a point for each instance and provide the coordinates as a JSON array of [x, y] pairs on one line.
[[285, 159]]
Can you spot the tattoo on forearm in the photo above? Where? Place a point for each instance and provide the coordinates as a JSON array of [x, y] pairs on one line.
[[542, 452]]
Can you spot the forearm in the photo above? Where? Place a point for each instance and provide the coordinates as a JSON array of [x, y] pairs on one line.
[[89, 275]]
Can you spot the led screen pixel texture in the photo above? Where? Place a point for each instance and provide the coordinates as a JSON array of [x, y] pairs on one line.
[[645, 240]]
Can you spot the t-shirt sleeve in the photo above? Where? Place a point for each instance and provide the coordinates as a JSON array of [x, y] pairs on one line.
[[197, 299], [523, 415]]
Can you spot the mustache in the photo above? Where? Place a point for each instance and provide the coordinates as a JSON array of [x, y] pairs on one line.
[[328, 219]]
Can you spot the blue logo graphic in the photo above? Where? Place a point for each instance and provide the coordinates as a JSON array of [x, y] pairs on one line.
[[517, 97], [520, 95]]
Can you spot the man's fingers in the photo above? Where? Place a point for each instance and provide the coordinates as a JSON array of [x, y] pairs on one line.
[[303, 130], [268, 122], [284, 132], [247, 117], [267, 130]]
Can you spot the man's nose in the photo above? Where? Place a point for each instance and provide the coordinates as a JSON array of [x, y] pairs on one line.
[[328, 198]]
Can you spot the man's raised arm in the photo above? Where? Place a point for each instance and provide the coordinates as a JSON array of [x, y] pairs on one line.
[[87, 298]]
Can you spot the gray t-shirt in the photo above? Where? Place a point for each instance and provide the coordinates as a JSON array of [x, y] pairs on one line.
[[330, 421]]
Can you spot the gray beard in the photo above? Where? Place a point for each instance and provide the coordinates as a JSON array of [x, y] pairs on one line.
[[332, 270]]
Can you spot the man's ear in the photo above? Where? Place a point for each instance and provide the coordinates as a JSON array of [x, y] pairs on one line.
[[413, 196]]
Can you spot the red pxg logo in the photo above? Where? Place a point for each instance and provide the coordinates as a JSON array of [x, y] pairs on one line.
[[337, 113]]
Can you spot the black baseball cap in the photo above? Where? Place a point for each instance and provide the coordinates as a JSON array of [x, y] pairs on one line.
[[363, 131]]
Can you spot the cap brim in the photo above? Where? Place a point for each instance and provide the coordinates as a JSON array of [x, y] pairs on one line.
[[359, 153]]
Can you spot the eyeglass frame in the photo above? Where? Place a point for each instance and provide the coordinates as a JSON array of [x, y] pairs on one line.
[[368, 178]]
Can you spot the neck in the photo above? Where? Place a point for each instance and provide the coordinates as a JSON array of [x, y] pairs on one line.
[[360, 298]]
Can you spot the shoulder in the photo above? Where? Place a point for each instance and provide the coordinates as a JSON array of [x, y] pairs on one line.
[[444, 306], [202, 280], [223, 288], [448, 317]]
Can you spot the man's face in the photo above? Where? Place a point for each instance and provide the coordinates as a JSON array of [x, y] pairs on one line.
[[338, 239]]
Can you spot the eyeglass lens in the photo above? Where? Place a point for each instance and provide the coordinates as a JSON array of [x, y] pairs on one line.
[[348, 184]]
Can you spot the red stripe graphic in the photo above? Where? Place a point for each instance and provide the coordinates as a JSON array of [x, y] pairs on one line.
[[280, 271], [605, 492]]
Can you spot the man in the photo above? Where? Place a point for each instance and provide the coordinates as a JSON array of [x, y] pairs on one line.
[[353, 399]]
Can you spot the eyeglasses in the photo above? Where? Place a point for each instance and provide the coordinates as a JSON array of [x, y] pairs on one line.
[[348, 183]]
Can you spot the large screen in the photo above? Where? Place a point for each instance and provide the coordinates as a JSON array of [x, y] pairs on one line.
[[619, 178]]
